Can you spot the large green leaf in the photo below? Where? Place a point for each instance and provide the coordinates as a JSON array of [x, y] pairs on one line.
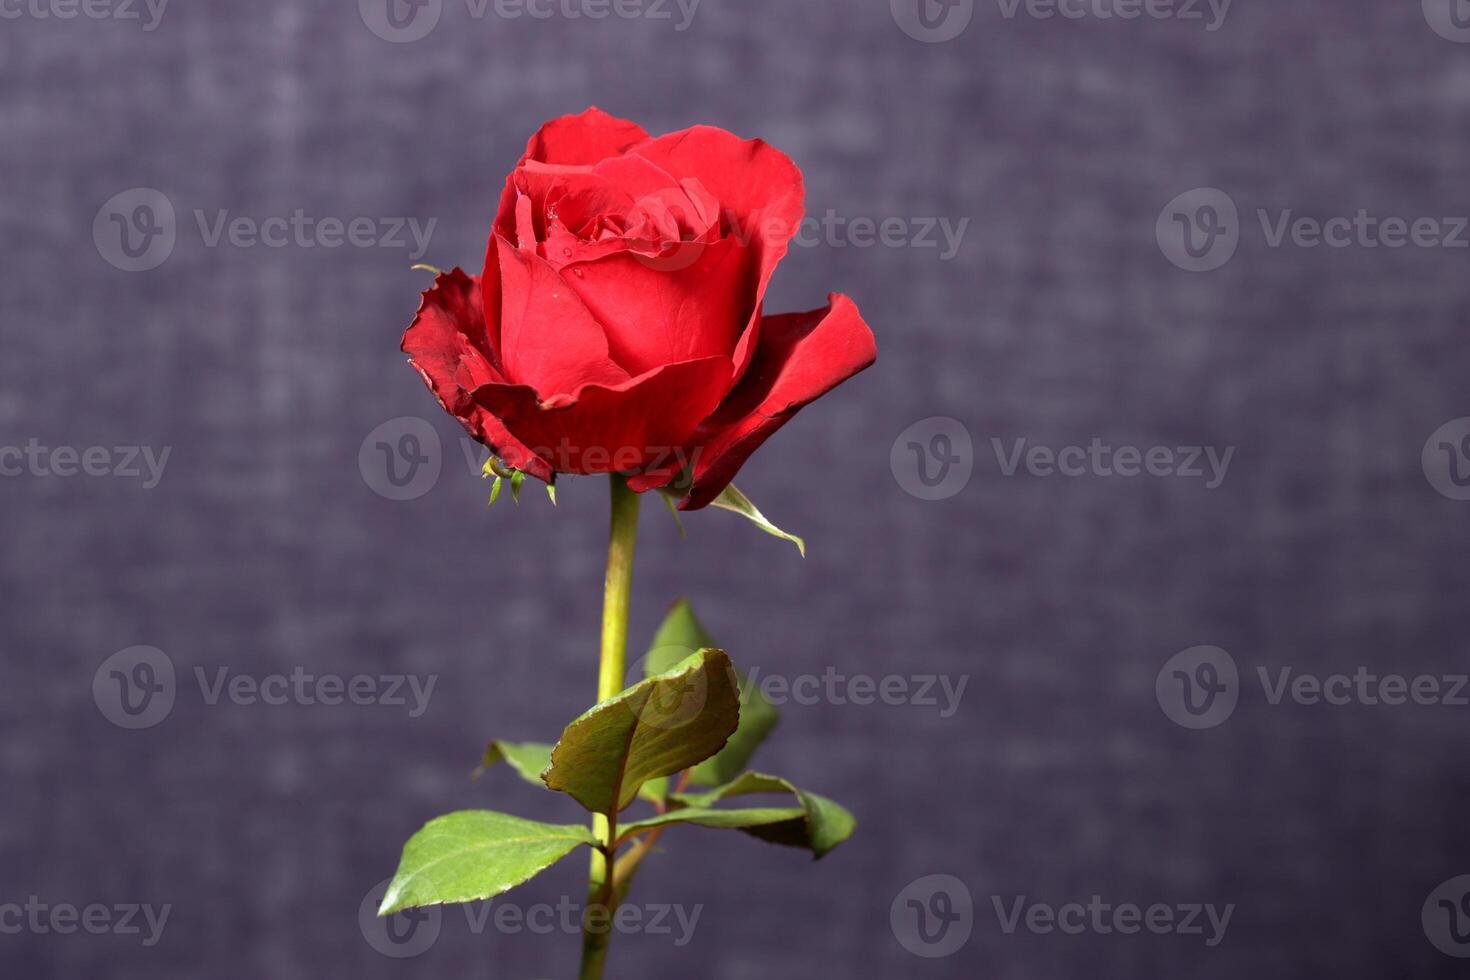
[[733, 500], [825, 824], [680, 634], [476, 854], [657, 727], [529, 759]]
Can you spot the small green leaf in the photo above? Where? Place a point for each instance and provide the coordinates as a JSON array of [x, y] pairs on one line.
[[528, 759], [426, 267], [826, 823], [551, 492], [763, 817], [680, 634], [515, 485], [733, 500], [674, 510], [657, 727], [495, 490], [495, 466], [476, 854], [678, 637], [655, 790]]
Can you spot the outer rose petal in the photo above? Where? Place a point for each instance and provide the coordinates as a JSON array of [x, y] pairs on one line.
[[759, 189], [584, 138], [446, 343], [801, 357], [624, 427]]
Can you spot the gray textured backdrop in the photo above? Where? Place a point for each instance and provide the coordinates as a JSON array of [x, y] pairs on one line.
[[1059, 320]]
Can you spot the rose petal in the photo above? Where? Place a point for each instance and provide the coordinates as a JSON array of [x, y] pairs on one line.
[[801, 356], [759, 188], [629, 426], [573, 140], [446, 343], [655, 312], [583, 138], [547, 339]]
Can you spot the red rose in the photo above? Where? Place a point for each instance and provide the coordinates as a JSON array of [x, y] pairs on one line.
[[617, 325]]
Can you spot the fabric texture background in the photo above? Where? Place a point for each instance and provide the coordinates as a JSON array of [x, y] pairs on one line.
[[263, 548]]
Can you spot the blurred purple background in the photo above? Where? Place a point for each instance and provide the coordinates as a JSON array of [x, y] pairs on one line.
[[1060, 316]]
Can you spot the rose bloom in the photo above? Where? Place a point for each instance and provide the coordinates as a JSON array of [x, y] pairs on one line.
[[618, 323]]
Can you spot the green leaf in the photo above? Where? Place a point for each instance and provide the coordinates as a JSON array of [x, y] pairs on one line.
[[825, 825], [476, 854], [655, 790], [426, 267], [495, 490], [528, 759], [551, 492], [747, 819], [657, 727], [733, 500], [674, 510], [680, 634], [678, 637], [515, 485]]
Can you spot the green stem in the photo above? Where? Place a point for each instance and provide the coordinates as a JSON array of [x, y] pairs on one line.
[[601, 887]]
